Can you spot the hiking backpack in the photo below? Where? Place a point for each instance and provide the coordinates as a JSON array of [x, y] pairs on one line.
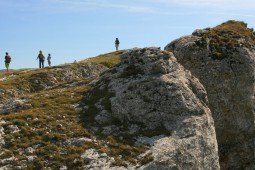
[[7, 59]]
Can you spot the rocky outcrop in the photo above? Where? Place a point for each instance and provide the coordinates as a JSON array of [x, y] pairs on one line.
[[13, 105], [223, 58], [153, 99]]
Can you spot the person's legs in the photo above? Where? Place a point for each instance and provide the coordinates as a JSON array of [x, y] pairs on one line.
[[117, 47], [42, 64], [7, 67]]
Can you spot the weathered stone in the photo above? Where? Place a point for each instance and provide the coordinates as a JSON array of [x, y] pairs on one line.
[[31, 158], [144, 140], [200, 31], [151, 89], [29, 150], [13, 105], [110, 129], [77, 141], [63, 168], [229, 82], [94, 160], [7, 161], [2, 141], [13, 128]]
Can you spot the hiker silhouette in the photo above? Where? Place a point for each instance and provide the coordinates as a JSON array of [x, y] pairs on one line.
[[7, 62], [41, 59], [117, 43], [49, 59]]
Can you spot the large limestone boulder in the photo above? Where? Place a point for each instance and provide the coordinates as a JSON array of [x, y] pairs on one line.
[[149, 92], [223, 58]]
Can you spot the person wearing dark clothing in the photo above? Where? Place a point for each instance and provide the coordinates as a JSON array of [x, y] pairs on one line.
[[41, 59], [117, 43], [7, 62], [49, 60]]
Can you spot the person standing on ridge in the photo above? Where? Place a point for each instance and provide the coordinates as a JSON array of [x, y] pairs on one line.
[[7, 62], [49, 59], [41, 59], [117, 43]]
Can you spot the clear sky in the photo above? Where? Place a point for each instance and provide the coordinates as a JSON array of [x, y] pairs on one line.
[[78, 29]]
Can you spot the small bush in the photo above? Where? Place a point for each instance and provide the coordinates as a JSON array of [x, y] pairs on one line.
[[6, 154], [147, 158], [35, 164]]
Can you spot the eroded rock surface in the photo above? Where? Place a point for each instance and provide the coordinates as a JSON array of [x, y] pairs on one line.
[[149, 92], [224, 62]]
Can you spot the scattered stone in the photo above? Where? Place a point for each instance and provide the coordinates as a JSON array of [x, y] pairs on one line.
[[63, 168], [29, 151], [31, 158], [77, 142], [94, 160], [200, 32], [13, 105], [2, 142], [13, 128], [7, 161]]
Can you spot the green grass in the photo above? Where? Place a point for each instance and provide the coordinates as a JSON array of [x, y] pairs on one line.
[[108, 60]]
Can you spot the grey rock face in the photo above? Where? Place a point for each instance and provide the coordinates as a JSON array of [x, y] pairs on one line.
[[13, 105], [229, 83], [157, 92], [94, 160], [150, 91]]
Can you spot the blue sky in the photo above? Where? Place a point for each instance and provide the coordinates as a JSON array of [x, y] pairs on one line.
[[78, 29]]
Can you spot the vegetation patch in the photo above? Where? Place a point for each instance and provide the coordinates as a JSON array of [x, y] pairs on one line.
[[45, 127], [225, 38], [147, 158], [108, 60]]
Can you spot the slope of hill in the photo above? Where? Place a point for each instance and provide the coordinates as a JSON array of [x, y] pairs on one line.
[[40, 124]]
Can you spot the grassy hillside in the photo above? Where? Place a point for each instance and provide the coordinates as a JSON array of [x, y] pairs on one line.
[[53, 118], [108, 60]]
